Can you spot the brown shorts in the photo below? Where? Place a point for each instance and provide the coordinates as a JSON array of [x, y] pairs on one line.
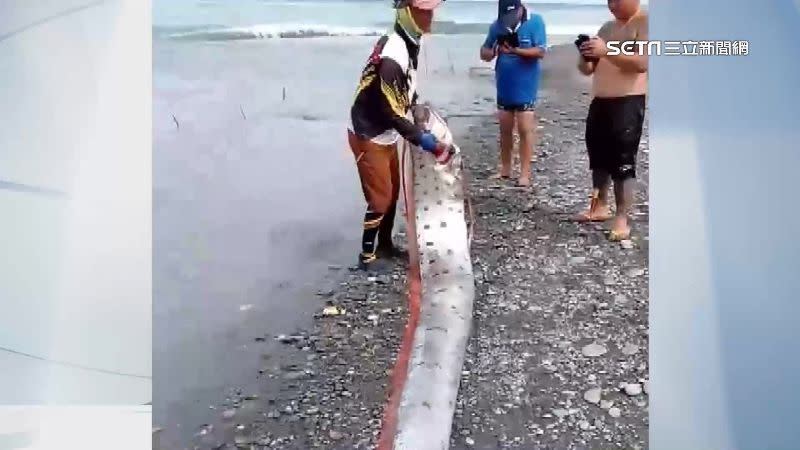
[[379, 171]]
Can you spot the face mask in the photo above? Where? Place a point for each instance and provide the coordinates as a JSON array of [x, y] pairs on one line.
[[406, 22]]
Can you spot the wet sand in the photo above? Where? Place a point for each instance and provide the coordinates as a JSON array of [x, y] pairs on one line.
[[246, 222]]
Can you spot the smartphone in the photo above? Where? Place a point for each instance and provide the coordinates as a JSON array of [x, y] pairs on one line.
[[509, 39], [581, 39]]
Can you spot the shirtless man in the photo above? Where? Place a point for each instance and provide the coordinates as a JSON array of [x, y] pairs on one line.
[[616, 114]]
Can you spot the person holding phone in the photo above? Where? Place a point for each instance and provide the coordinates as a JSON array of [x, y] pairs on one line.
[[616, 113], [518, 41]]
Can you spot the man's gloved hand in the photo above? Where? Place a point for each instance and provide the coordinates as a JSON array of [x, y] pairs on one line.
[[428, 142], [441, 151]]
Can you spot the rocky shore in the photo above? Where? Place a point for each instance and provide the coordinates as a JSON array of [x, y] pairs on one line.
[[558, 358], [327, 386]]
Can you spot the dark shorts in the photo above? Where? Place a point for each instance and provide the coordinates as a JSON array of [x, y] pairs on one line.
[[516, 107], [613, 132]]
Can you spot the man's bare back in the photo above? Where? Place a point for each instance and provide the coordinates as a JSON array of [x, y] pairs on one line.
[[609, 80]]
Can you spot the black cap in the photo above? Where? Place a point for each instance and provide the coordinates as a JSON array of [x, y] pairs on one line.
[[508, 12]]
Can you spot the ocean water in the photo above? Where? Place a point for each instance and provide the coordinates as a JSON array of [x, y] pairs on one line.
[[299, 59], [247, 19]]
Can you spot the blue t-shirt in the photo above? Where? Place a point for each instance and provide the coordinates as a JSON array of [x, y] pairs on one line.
[[517, 77]]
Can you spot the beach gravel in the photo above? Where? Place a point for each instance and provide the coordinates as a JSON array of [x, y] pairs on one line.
[[559, 347], [338, 400], [558, 355]]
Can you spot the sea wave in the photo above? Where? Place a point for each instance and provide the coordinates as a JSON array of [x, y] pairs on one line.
[[288, 31], [266, 31]]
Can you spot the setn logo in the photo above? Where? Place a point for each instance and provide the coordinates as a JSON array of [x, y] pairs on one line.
[[630, 48]]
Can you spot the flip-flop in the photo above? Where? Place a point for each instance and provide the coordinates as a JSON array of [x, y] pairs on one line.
[[617, 236]]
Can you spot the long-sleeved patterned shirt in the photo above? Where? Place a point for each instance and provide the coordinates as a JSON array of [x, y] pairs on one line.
[[386, 91]]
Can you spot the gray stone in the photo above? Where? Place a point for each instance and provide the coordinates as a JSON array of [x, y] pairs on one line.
[[633, 389], [633, 273], [620, 299], [593, 396], [295, 375], [593, 350], [336, 435], [630, 349]]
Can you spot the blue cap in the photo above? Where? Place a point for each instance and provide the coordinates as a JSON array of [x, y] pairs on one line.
[[508, 12]]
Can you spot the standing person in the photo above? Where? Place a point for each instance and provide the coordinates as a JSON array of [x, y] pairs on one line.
[[518, 40], [616, 113], [385, 93]]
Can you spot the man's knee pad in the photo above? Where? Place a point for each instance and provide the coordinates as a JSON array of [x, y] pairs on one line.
[[624, 172]]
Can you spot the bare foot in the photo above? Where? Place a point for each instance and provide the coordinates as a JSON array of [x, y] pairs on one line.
[[500, 176], [524, 182], [620, 230], [596, 214]]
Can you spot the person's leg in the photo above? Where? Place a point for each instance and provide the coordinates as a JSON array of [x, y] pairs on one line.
[[623, 195], [386, 247], [375, 175], [599, 208], [629, 118], [526, 127], [596, 143], [506, 123]]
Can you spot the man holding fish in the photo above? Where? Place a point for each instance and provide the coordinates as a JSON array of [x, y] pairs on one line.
[[379, 119]]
